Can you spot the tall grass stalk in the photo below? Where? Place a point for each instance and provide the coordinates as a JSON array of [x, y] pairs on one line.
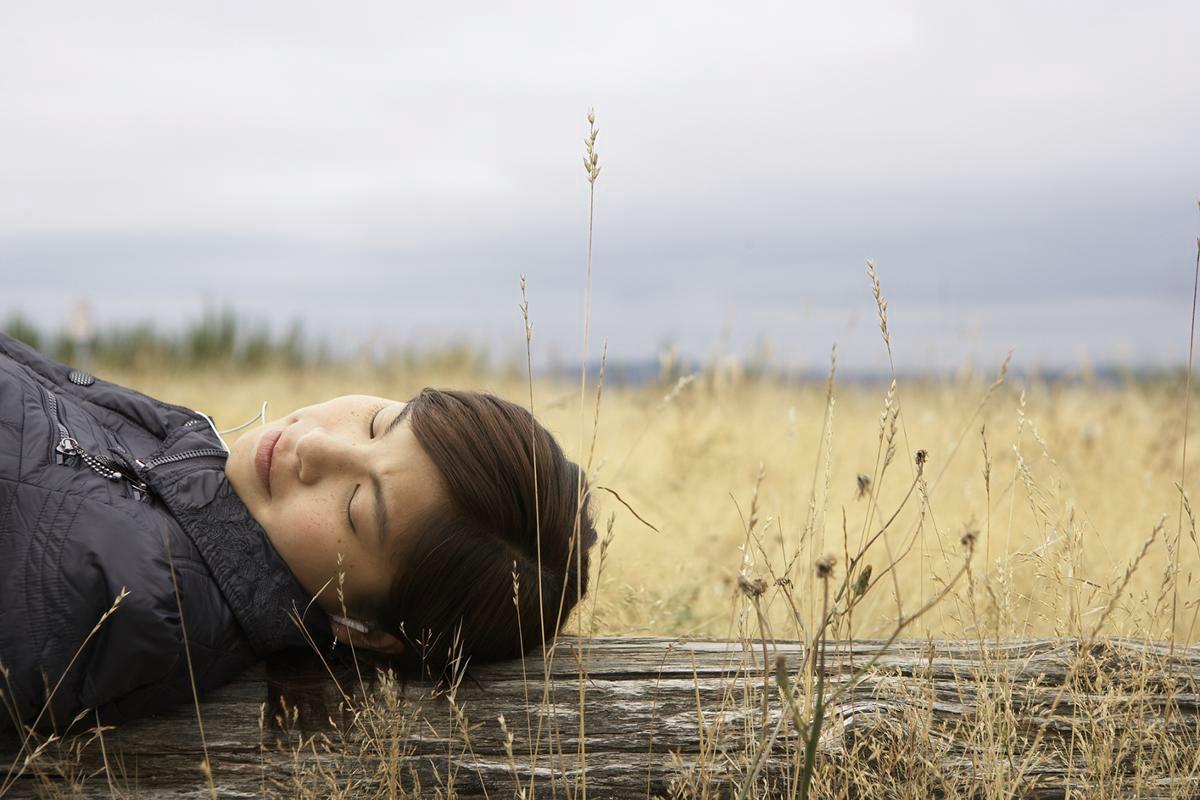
[[1187, 407], [591, 165]]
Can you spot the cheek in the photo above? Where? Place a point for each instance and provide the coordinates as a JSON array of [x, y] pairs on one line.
[[242, 447], [308, 526]]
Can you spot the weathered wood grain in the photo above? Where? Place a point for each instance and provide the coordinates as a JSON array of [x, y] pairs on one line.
[[664, 717]]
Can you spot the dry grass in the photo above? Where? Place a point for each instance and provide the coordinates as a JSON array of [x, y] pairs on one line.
[[1075, 477], [1058, 491]]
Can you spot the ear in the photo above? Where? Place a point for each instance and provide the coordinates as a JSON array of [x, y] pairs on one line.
[[379, 641]]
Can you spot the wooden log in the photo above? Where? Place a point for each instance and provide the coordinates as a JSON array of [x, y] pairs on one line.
[[662, 717]]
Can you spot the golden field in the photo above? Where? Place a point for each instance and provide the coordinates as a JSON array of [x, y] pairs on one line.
[[729, 505], [1078, 476]]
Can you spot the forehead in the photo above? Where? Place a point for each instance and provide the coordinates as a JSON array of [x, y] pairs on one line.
[[355, 402], [348, 407]]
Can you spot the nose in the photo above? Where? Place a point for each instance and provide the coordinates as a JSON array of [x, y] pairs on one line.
[[322, 454]]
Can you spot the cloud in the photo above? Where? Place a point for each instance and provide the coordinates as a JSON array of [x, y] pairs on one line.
[[363, 167]]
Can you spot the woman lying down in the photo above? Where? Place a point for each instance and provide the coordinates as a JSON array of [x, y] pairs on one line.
[[106, 493]]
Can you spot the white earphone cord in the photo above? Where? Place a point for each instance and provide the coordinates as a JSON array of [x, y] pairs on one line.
[[262, 414], [352, 624]]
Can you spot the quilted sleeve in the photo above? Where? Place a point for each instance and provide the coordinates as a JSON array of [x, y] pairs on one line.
[[124, 658]]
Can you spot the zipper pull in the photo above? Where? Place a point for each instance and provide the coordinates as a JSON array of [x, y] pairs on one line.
[[66, 448]]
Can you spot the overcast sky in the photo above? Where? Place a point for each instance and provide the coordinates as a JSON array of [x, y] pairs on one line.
[[1024, 175]]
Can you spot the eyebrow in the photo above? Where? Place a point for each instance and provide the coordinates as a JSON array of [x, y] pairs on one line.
[[395, 423], [381, 515]]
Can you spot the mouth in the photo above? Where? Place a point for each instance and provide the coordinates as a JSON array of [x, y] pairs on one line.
[[264, 456]]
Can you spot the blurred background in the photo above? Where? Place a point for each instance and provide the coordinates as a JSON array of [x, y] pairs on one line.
[[299, 177], [288, 201]]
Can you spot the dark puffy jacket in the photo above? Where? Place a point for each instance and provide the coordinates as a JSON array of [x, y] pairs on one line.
[[98, 484]]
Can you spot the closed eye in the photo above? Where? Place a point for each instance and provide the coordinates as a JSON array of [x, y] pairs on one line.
[[375, 416], [348, 505]]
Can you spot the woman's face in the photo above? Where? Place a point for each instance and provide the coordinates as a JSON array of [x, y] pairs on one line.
[[347, 477]]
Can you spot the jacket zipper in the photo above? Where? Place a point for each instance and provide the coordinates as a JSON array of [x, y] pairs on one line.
[[64, 436], [68, 447], [186, 454]]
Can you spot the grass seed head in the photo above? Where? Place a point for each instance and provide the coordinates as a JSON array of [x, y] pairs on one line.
[[752, 588], [863, 582]]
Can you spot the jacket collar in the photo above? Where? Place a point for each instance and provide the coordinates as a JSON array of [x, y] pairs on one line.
[[261, 590]]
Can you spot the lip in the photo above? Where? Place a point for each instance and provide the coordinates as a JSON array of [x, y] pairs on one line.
[[264, 456]]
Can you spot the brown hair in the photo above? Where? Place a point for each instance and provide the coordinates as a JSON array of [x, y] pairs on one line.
[[453, 596]]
